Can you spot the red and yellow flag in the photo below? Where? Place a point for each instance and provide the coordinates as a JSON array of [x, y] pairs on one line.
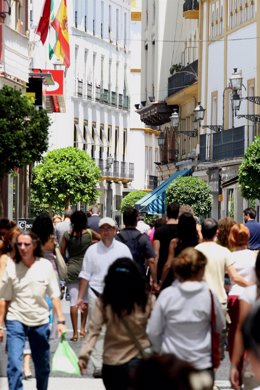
[[60, 25]]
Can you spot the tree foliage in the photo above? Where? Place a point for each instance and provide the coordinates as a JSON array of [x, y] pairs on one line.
[[249, 171], [130, 199], [64, 177], [24, 131], [192, 191]]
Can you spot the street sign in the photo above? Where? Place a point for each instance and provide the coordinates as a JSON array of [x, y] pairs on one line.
[[25, 223]]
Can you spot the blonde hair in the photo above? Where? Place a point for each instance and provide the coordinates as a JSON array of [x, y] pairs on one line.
[[238, 236], [189, 263]]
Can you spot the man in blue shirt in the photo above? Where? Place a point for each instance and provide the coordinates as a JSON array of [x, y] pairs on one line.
[[254, 228]]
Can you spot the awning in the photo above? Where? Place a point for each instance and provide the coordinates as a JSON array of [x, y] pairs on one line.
[[155, 201]]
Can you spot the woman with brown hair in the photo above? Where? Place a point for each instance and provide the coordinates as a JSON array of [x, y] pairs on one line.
[[181, 320], [24, 286], [244, 263]]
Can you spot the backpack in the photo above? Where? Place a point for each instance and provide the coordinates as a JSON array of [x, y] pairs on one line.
[[132, 240]]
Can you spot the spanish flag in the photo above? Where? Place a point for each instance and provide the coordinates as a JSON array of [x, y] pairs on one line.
[[60, 24]]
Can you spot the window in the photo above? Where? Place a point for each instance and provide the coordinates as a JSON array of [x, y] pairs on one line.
[[76, 19], [75, 135], [102, 20], [109, 139], [86, 16], [117, 25], [116, 142], [124, 143], [110, 24], [94, 17], [214, 110], [87, 134], [125, 29]]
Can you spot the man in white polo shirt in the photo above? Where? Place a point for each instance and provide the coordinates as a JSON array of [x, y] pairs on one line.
[[96, 262]]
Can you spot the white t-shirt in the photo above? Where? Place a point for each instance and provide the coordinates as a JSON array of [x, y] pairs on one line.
[[26, 289], [244, 263], [97, 260], [219, 259], [180, 322]]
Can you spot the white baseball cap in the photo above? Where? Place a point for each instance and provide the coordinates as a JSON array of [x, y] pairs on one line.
[[107, 221]]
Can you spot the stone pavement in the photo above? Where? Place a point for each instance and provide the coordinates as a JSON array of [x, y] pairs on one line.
[[62, 383], [81, 383]]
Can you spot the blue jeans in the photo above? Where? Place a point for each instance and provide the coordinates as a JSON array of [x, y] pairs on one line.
[[38, 337]]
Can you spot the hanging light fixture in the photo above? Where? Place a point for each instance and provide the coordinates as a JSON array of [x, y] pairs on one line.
[[160, 139], [236, 80], [199, 112], [235, 101], [175, 119]]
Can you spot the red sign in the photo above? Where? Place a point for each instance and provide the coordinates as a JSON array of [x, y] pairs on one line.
[[58, 79]]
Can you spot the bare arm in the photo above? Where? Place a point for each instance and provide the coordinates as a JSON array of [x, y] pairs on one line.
[[63, 246], [3, 310], [169, 263], [236, 278], [95, 236], [238, 350], [153, 269], [156, 247], [56, 303], [83, 285]]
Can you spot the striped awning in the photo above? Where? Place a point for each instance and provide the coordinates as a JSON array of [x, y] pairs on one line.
[[155, 201]]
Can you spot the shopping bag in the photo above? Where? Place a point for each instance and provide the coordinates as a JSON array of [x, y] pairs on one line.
[[64, 359]]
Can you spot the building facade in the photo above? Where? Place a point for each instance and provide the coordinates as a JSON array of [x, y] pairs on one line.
[[228, 36], [14, 70]]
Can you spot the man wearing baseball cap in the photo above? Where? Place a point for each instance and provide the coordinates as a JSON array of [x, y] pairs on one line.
[[96, 262]]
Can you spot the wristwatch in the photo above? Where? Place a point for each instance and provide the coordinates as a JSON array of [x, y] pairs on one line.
[[61, 322]]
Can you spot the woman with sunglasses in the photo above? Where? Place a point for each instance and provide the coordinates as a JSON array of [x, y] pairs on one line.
[[24, 286]]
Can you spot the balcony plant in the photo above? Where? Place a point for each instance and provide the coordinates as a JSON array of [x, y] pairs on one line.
[[176, 68]]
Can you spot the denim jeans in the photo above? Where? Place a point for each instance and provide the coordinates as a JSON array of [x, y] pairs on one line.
[[38, 337]]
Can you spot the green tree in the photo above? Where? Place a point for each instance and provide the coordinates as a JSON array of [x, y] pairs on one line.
[[64, 177], [192, 191], [24, 132], [130, 199], [249, 171]]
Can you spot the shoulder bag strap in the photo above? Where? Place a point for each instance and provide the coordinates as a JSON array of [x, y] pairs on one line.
[[212, 313], [133, 338]]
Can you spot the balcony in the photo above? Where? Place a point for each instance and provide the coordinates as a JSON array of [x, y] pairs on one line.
[[191, 9], [118, 171], [113, 98], [15, 57], [226, 145], [105, 95], [126, 104], [89, 91], [98, 93], [120, 100], [183, 79]]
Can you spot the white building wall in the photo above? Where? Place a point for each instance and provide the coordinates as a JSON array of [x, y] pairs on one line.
[[99, 33]]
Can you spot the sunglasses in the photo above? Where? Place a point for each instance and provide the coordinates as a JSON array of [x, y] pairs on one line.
[[23, 243]]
